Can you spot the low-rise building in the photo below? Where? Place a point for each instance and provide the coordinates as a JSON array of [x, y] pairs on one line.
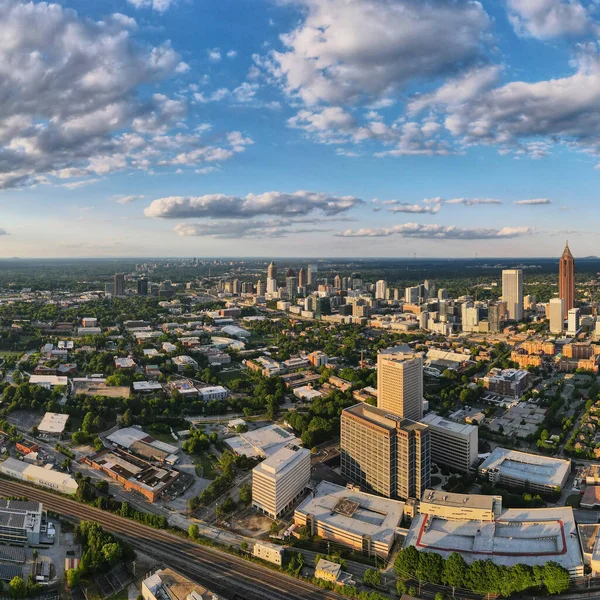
[[523, 470], [48, 478], [215, 392], [167, 584], [351, 518], [53, 424], [269, 552], [327, 570], [460, 507], [20, 522]]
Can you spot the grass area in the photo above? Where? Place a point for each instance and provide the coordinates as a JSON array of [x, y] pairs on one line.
[[167, 438], [207, 463], [573, 500], [9, 353], [228, 376], [122, 595]]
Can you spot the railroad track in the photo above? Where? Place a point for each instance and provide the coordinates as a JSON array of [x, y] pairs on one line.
[[223, 573]]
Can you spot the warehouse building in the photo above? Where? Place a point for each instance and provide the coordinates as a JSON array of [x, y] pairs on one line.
[[54, 480], [523, 470], [280, 480], [138, 442], [345, 516], [20, 523], [452, 444]]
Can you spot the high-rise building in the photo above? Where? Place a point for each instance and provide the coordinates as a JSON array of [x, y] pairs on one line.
[[442, 294], [302, 277], [512, 293], [337, 282], [557, 315], [119, 284], [261, 288], [272, 271], [142, 287], [381, 289], [291, 283], [384, 453], [573, 317], [236, 286], [109, 288], [494, 316], [411, 295], [311, 275], [566, 280], [400, 383]]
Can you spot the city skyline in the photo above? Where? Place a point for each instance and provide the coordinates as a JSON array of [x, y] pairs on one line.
[[172, 128]]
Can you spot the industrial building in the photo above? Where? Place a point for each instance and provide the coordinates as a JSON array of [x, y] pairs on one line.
[[460, 507], [280, 479], [133, 473], [452, 444], [138, 442], [345, 516], [54, 480], [53, 424], [20, 522], [520, 469], [167, 584], [384, 453]]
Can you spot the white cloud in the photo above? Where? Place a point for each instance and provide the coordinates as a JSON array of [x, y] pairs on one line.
[[157, 5], [182, 67], [546, 19], [405, 207], [439, 232], [231, 54], [75, 185], [280, 204], [122, 199], [533, 202], [3, 231], [366, 49], [214, 55]]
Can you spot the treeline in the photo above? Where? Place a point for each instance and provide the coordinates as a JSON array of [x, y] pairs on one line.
[[481, 576]]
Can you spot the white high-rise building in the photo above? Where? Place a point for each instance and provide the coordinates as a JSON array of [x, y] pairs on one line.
[[271, 285], [400, 383], [573, 317], [280, 479], [411, 295], [557, 320], [381, 289], [512, 293]]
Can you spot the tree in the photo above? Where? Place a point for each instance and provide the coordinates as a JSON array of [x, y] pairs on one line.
[[246, 493], [194, 531], [400, 587], [555, 578], [412, 591], [73, 577], [274, 528], [372, 577], [439, 596], [102, 486], [455, 570], [407, 562], [17, 587], [244, 546], [112, 552], [431, 566]]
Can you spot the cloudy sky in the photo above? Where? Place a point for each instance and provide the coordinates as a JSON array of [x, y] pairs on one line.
[[299, 127]]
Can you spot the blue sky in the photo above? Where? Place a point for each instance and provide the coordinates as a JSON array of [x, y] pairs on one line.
[[299, 127]]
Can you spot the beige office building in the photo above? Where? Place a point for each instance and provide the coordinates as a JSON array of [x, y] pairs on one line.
[[512, 293], [557, 318], [384, 453], [452, 444], [280, 479], [400, 383], [460, 507]]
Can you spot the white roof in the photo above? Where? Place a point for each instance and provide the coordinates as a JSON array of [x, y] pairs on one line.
[[141, 386], [434, 420], [53, 423], [213, 389], [282, 461], [33, 473], [374, 516], [48, 380], [262, 442]]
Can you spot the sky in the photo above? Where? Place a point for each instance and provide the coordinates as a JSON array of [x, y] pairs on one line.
[[318, 128]]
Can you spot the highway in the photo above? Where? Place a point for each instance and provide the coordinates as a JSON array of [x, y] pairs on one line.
[[225, 574]]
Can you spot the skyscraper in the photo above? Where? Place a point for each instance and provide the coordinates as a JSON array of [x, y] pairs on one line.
[[400, 383], [384, 453], [291, 283], [380, 289], [566, 280], [512, 293], [557, 315], [272, 271], [142, 287], [311, 279], [302, 277], [119, 284]]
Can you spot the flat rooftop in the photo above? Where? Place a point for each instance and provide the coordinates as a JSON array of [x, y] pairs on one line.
[[354, 511], [528, 467], [383, 418], [262, 442], [442, 498], [53, 422], [458, 428], [529, 536], [286, 458], [134, 438]]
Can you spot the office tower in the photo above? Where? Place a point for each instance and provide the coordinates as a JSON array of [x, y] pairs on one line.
[[311, 279], [442, 294], [302, 277], [573, 321], [280, 479], [337, 282], [261, 288], [494, 316], [400, 383], [566, 280], [424, 320], [236, 286], [271, 285], [452, 444], [291, 283], [557, 315], [470, 317], [384, 453], [512, 293], [142, 287], [381, 289], [272, 271], [109, 289], [119, 284], [411, 295]]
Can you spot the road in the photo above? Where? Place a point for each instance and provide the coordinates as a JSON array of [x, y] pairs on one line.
[[225, 574]]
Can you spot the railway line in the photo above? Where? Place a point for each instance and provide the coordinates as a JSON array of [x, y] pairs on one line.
[[227, 575]]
